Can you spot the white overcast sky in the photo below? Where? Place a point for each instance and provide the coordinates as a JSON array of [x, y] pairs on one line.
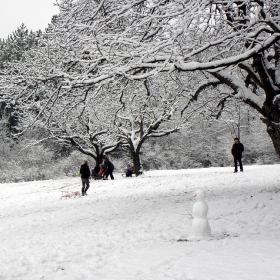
[[35, 14]]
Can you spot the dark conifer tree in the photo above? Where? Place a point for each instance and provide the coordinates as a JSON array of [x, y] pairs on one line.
[[12, 50]]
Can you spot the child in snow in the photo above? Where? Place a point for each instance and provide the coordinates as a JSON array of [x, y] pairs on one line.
[[102, 171], [94, 173], [129, 171]]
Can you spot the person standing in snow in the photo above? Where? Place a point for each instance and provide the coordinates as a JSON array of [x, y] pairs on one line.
[[109, 167], [85, 175], [236, 151]]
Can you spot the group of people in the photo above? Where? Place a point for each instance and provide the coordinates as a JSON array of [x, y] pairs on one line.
[[106, 168], [102, 171]]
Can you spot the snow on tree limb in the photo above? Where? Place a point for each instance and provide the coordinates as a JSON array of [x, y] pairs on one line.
[[241, 91], [139, 39]]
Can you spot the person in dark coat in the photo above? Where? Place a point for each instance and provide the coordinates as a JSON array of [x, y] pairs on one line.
[[85, 175], [109, 167], [95, 171], [236, 151]]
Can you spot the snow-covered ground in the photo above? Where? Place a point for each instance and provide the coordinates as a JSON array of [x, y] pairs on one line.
[[137, 228]]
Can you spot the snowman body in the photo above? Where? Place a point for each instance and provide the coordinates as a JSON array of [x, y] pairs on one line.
[[200, 225]]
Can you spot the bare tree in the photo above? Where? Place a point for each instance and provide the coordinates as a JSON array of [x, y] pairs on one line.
[[74, 117], [148, 110]]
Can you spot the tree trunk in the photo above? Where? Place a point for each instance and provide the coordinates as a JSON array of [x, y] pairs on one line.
[[270, 108], [273, 126], [136, 163], [274, 133], [98, 160]]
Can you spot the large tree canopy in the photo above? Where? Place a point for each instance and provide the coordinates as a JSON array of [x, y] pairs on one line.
[[137, 39], [92, 44]]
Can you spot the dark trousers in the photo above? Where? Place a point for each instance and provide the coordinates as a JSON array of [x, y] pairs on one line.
[[85, 185], [110, 172], [240, 163]]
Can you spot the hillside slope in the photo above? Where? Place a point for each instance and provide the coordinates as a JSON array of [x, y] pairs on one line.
[[129, 228]]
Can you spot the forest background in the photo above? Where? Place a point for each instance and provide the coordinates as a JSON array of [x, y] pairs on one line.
[[194, 132]]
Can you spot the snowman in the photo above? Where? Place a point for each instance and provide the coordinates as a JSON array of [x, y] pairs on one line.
[[200, 225]]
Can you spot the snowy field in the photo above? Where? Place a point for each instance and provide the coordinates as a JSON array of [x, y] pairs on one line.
[[131, 228]]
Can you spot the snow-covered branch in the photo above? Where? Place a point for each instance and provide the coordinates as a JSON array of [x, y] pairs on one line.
[[241, 91]]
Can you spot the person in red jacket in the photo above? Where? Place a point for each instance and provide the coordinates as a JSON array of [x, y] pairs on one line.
[[236, 151], [102, 171]]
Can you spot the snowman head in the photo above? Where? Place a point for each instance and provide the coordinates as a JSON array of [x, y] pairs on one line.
[[199, 195]]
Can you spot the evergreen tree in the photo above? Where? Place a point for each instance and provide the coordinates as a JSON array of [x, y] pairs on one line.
[[12, 50], [16, 44]]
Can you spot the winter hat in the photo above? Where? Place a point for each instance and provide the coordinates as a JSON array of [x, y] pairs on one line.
[[236, 138], [128, 165]]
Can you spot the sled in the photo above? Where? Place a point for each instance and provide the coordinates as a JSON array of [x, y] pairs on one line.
[[70, 194], [97, 178], [124, 175]]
